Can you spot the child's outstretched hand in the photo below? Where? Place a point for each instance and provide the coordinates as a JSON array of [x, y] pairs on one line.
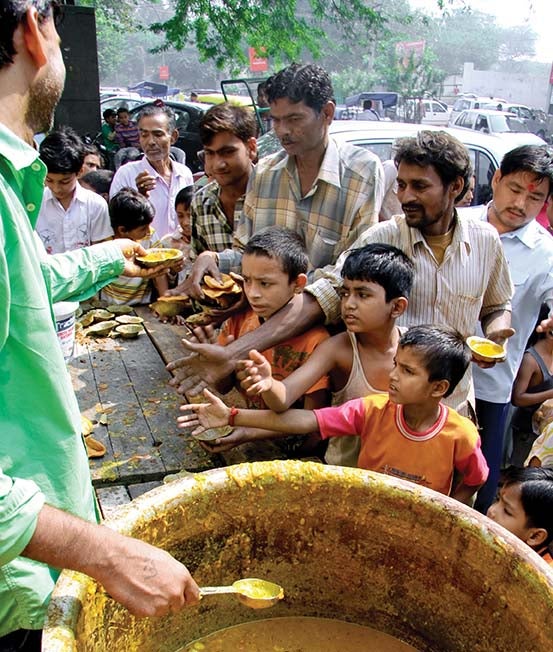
[[212, 414], [255, 374]]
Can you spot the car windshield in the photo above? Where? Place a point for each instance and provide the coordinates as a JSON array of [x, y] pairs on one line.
[[503, 123]]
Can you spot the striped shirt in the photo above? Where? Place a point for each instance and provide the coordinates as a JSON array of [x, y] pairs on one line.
[[127, 135], [211, 230], [343, 201], [472, 281]]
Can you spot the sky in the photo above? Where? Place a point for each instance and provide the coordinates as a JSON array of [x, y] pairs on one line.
[[537, 13]]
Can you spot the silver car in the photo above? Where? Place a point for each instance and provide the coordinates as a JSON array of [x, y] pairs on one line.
[[486, 150]]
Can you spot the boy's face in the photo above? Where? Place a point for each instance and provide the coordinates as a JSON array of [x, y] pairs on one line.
[[111, 120], [91, 163], [363, 305], [409, 384], [508, 512], [183, 216], [267, 287], [123, 118], [229, 159], [62, 185], [136, 234]]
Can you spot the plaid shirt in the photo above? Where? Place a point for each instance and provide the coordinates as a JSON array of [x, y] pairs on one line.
[[343, 201], [210, 228]]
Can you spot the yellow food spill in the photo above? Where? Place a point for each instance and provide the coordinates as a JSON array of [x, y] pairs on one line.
[[298, 634]]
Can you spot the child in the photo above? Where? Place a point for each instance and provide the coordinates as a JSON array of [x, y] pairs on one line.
[[99, 181], [180, 238], [525, 507], [92, 160], [377, 280], [533, 385], [126, 130], [70, 216], [131, 215], [109, 137], [409, 434], [274, 268]]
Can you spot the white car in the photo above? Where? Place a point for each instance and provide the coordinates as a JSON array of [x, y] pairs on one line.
[[471, 101], [435, 112], [486, 150], [493, 122]]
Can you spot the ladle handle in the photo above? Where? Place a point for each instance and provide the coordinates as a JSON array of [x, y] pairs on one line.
[[215, 590]]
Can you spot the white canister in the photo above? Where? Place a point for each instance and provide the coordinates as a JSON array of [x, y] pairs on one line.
[[64, 312]]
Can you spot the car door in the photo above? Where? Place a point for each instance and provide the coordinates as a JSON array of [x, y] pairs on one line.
[[436, 113]]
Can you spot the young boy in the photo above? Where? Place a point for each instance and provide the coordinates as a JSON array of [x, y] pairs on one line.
[[70, 216], [126, 130], [377, 280], [180, 237], [525, 507], [109, 137], [409, 434], [99, 181], [131, 215], [274, 268]]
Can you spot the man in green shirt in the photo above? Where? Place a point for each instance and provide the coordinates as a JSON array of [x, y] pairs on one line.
[[47, 510]]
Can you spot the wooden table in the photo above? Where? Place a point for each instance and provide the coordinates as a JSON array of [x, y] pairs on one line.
[[123, 386]]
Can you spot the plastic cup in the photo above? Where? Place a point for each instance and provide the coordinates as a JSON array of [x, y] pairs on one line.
[[64, 313]]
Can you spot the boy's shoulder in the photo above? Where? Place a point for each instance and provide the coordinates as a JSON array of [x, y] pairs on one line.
[[460, 427]]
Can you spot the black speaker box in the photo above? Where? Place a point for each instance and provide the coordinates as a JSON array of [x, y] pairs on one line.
[[79, 106]]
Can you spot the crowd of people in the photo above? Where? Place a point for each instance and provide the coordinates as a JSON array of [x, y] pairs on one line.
[[350, 343]]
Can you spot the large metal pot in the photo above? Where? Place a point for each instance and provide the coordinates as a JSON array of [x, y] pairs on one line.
[[343, 543]]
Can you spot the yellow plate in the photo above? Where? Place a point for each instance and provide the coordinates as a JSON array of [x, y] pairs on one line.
[[485, 349]]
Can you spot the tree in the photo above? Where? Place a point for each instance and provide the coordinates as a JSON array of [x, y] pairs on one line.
[[281, 29]]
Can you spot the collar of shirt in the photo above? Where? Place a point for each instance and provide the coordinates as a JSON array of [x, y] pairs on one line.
[[177, 169], [530, 234], [460, 237], [329, 172], [17, 151], [80, 195]]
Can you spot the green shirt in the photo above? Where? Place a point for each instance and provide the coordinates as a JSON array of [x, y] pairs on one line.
[[42, 456], [108, 138]]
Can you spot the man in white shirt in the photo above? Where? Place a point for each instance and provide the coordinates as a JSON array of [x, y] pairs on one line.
[[156, 176], [70, 216], [520, 186]]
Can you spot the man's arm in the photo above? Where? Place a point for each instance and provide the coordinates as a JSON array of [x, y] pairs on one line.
[[144, 579], [194, 373]]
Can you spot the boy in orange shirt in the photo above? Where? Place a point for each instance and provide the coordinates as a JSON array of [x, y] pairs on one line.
[[274, 269], [408, 433]]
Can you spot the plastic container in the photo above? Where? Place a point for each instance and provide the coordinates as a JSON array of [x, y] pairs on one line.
[[64, 312]]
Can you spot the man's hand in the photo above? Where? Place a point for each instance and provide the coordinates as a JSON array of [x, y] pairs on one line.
[[193, 373], [145, 183], [212, 414], [545, 325], [255, 374], [146, 580], [499, 336], [205, 263]]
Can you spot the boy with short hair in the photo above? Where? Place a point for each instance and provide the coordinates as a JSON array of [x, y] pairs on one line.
[[131, 215], [109, 137], [126, 130], [376, 284], [70, 216], [274, 269], [180, 237], [409, 434], [524, 506]]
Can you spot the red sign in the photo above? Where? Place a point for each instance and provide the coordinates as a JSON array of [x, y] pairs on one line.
[[551, 75], [405, 50], [257, 64], [164, 72]]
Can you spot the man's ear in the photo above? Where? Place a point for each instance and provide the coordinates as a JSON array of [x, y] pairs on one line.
[[399, 306], [328, 111], [33, 38], [300, 283], [251, 146], [496, 179], [456, 186], [174, 136], [439, 387]]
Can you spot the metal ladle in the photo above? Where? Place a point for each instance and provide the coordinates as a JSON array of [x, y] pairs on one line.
[[254, 593]]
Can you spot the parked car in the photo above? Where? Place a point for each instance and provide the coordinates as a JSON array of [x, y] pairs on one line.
[[471, 101], [117, 101], [188, 115], [434, 112], [486, 150], [535, 120], [492, 122]]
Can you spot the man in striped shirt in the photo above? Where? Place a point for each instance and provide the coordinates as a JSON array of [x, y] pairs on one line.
[[461, 275]]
